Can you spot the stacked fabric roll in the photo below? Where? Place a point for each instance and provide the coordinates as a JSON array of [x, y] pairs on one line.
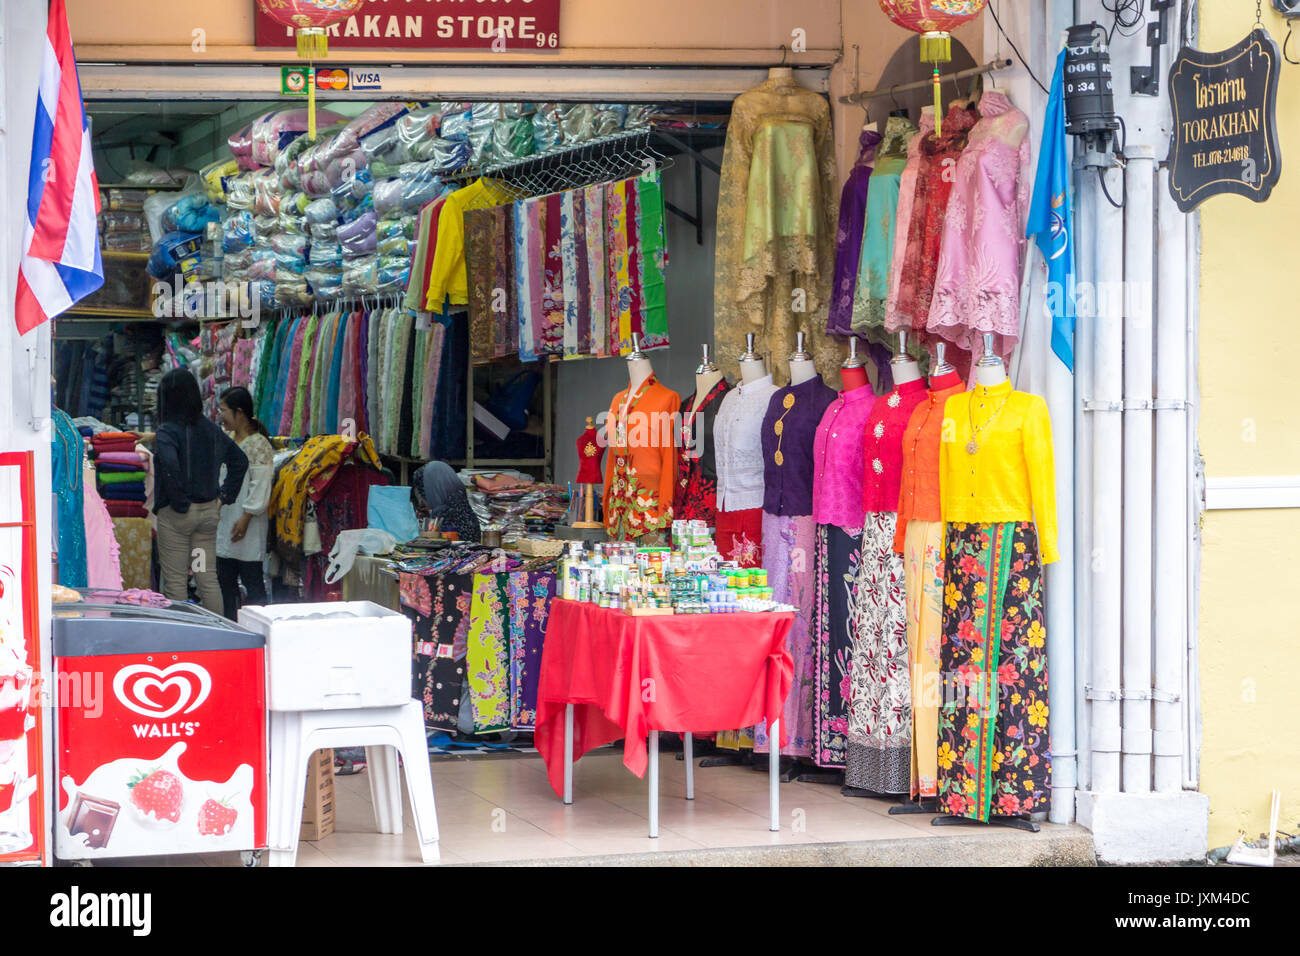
[[121, 473]]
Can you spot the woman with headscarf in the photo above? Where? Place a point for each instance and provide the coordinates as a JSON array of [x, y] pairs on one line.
[[445, 497]]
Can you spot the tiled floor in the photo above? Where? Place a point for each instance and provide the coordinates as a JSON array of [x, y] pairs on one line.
[[500, 808]]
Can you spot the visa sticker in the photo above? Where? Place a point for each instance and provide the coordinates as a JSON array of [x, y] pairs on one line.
[[366, 80]]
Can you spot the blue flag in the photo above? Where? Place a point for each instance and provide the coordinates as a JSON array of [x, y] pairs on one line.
[[1051, 218]]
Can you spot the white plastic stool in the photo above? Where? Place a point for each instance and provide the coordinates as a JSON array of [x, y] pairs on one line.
[[384, 732]]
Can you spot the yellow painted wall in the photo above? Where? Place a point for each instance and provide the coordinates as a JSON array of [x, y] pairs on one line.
[[1249, 625]]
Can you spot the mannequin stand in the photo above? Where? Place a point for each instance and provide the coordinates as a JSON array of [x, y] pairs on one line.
[[847, 791], [1011, 823], [909, 806], [814, 774], [789, 771], [590, 503]]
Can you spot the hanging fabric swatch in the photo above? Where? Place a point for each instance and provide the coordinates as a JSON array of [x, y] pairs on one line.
[[593, 202], [653, 246]]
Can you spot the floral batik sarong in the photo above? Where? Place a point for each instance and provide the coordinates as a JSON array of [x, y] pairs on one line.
[[531, 593], [839, 557], [994, 750], [880, 706], [488, 655]]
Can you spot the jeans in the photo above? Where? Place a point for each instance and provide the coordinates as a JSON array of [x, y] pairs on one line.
[[188, 543], [230, 572]]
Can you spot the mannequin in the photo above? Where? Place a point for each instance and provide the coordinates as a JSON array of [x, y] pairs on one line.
[[590, 454], [695, 495], [640, 470], [802, 366], [782, 74], [638, 364], [853, 371], [941, 366], [989, 370], [707, 375], [903, 367], [752, 366]]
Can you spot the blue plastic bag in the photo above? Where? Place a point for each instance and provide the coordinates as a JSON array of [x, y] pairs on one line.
[[390, 509]]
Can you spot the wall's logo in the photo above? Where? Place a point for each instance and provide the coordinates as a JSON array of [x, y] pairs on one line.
[[148, 690]]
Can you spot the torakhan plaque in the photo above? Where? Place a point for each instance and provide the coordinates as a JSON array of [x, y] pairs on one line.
[[1225, 122]]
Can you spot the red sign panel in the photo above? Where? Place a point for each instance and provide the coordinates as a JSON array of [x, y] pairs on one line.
[[503, 26], [22, 773]]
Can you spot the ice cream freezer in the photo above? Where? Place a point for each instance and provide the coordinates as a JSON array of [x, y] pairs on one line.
[[161, 731]]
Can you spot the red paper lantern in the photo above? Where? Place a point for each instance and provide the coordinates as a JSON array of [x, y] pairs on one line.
[[934, 20], [309, 18]]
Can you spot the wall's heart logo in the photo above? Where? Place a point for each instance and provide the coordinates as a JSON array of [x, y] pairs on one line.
[[136, 687]]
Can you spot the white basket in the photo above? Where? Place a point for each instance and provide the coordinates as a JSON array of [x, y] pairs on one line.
[[333, 656]]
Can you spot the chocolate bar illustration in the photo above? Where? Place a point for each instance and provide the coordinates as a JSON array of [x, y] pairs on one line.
[[94, 817]]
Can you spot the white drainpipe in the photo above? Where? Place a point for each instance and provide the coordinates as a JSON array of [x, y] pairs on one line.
[[1086, 194], [1105, 406], [1171, 457], [1139, 255]]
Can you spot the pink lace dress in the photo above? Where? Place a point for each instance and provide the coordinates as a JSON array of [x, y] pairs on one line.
[[977, 283]]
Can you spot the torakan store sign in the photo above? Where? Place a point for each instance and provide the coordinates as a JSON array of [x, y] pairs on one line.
[[1225, 122], [515, 26]]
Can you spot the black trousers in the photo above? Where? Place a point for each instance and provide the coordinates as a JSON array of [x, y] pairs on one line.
[[229, 573]]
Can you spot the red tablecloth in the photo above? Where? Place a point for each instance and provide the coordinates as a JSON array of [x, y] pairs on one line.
[[630, 675]]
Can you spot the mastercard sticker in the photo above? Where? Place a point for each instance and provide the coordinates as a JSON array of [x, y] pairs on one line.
[[332, 79]]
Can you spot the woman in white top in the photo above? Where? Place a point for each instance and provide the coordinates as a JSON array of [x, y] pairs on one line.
[[242, 531]]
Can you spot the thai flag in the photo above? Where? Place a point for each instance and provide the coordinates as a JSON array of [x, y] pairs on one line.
[[61, 263]]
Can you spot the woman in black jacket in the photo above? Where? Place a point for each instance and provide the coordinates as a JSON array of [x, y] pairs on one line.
[[188, 491]]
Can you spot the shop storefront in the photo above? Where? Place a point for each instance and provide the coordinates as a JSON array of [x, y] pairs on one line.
[[672, 116]]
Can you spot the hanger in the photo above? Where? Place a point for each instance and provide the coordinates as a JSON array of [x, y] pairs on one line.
[[897, 110]]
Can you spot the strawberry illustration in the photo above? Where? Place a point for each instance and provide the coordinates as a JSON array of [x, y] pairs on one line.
[[216, 819], [157, 793]]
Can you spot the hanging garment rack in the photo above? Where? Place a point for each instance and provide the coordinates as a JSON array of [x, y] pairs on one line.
[[990, 67]]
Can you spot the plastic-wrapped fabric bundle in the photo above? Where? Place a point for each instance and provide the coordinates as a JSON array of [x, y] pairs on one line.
[[375, 118], [354, 209], [456, 122], [361, 276], [266, 225], [235, 266], [638, 116], [393, 273], [264, 294], [275, 131], [358, 238], [266, 193], [323, 231], [610, 118], [239, 191], [213, 174], [380, 145], [546, 128], [325, 255], [286, 164], [579, 123], [171, 253], [512, 139], [238, 232], [326, 283], [387, 196], [263, 264], [444, 154], [321, 211], [241, 147], [414, 129], [190, 213]]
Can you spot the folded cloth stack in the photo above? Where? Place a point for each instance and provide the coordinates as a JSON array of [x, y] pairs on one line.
[[120, 473]]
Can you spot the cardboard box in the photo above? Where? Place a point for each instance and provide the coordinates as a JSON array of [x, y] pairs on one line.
[[318, 799]]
